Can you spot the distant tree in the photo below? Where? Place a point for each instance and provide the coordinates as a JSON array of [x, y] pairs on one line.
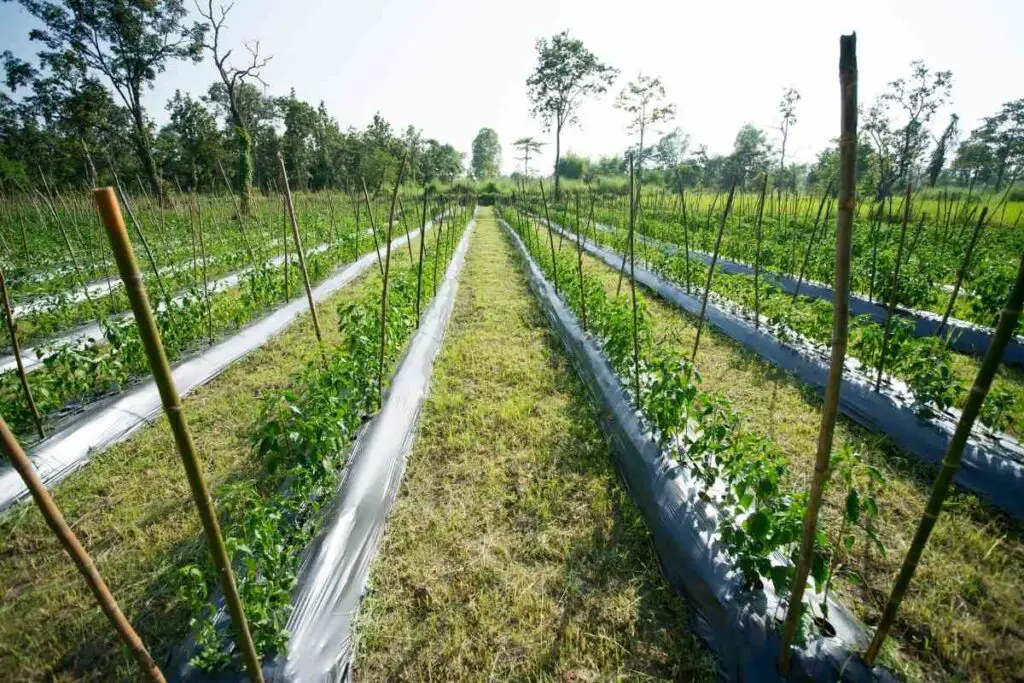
[[943, 144], [233, 79], [188, 147], [671, 149], [527, 146], [918, 97], [129, 43], [566, 74], [486, 154], [994, 152], [643, 100], [787, 107], [609, 166], [298, 143], [441, 163], [572, 166], [751, 153]]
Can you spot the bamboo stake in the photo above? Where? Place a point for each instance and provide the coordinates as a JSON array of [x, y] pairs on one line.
[[298, 247], [686, 239], [757, 255], [711, 272], [579, 266], [206, 284], [893, 289], [16, 348], [384, 285], [405, 224], [128, 267], [810, 242], [632, 288], [961, 272], [551, 238], [419, 268], [951, 462], [373, 226], [239, 213], [55, 520], [840, 330], [284, 243]]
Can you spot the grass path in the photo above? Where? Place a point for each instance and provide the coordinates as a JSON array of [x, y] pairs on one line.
[[961, 617], [132, 509], [513, 552]]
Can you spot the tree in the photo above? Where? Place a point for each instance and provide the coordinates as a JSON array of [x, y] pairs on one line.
[[787, 107], [995, 150], [566, 74], [127, 42], [437, 162], [670, 150], [486, 154], [188, 147], [942, 146], [919, 97], [573, 167], [527, 146], [643, 99], [298, 143], [750, 153], [233, 79]]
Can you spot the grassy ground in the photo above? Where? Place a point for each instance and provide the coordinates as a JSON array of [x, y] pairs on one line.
[[961, 617], [132, 509], [513, 552]]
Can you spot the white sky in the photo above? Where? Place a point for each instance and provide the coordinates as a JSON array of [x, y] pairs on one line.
[[451, 67]]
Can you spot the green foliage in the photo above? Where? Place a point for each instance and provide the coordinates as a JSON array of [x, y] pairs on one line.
[[486, 154]]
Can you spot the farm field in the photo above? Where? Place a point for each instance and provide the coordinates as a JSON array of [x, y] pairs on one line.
[[419, 342]]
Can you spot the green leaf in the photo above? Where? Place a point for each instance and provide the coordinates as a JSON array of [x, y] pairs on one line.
[[852, 506]]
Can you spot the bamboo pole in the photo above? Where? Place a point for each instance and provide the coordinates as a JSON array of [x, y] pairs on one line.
[[419, 268], [961, 272], [840, 330], [121, 245], [893, 289], [384, 285], [757, 255], [405, 224], [711, 272], [206, 283], [686, 239], [373, 226], [951, 462], [298, 247], [22, 376], [284, 243], [55, 520], [632, 287], [579, 266], [240, 214], [810, 243], [547, 217]]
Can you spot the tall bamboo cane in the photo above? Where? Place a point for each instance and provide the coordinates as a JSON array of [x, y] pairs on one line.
[[840, 323], [419, 268], [893, 291], [384, 285], [551, 239], [55, 520], [373, 226], [951, 462], [711, 272], [298, 248], [22, 376], [106, 200], [579, 266], [961, 272], [632, 287], [757, 255]]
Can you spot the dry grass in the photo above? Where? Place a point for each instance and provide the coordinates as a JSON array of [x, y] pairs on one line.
[[513, 552]]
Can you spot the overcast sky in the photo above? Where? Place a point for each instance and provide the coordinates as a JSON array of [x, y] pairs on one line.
[[450, 67]]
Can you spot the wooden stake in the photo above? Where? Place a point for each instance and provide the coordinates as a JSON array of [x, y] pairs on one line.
[[547, 217], [12, 329], [419, 268], [206, 284], [373, 226], [579, 266], [298, 247], [121, 245], [632, 288], [757, 255], [840, 321], [384, 285]]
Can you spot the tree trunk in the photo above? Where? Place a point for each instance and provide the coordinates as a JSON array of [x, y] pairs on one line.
[[558, 155], [144, 151]]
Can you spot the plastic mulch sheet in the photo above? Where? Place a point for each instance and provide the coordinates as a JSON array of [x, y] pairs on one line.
[[993, 463], [333, 574], [112, 421], [966, 337], [739, 625]]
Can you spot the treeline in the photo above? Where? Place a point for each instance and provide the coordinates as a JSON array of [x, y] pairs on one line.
[[75, 114]]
